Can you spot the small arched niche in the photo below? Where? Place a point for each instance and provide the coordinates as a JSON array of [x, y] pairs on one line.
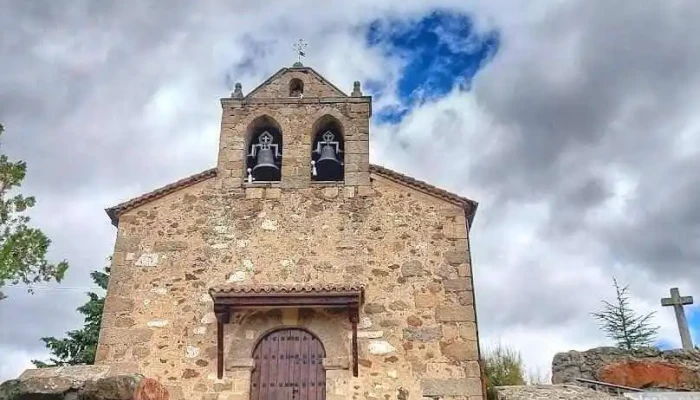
[[296, 88], [263, 150], [328, 150]]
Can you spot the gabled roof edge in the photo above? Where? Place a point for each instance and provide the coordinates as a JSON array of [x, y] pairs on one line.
[[468, 205], [267, 81], [285, 69], [326, 81], [116, 211]]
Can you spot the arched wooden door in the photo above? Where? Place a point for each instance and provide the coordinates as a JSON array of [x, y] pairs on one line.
[[288, 366]]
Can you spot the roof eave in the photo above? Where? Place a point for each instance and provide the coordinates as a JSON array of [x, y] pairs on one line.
[[112, 214], [115, 212], [468, 205], [471, 214]]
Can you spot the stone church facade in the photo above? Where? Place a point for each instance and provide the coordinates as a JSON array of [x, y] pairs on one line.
[[295, 269]]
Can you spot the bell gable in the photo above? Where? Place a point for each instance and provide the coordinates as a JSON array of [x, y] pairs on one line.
[[295, 82], [294, 130]]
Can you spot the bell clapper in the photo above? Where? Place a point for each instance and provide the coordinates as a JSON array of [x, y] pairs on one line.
[[250, 175], [313, 168]]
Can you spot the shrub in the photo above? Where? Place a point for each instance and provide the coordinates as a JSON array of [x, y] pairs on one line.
[[503, 366]]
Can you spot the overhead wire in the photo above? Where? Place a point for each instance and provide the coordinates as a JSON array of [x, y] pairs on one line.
[[49, 288]]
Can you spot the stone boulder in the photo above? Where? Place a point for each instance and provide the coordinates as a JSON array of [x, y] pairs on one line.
[[82, 383], [644, 368]]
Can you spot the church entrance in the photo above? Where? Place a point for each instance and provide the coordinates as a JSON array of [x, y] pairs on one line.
[[288, 366]]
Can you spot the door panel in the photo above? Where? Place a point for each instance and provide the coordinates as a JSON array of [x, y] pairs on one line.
[[288, 366]]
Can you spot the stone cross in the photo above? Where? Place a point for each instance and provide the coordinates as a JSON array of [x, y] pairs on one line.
[[678, 301]]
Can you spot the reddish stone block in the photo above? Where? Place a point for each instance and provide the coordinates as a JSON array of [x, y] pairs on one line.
[[150, 389], [641, 374]]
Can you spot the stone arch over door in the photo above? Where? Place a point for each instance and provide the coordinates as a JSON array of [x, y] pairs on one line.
[[288, 364]]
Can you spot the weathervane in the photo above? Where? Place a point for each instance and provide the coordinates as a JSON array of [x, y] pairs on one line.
[[299, 47]]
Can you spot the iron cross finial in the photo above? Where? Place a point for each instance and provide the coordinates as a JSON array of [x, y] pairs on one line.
[[299, 48]]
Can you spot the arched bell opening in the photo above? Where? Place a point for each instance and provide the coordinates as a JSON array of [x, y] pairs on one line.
[[296, 88], [264, 150], [328, 150]]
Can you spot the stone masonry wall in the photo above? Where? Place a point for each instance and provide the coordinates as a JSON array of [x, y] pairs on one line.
[[314, 86], [417, 332]]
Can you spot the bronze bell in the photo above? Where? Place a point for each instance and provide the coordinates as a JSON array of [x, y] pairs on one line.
[[265, 168], [328, 167]]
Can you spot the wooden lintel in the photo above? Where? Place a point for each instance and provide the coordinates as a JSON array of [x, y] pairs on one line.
[[284, 301]]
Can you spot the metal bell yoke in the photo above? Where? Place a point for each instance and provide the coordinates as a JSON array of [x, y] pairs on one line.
[[266, 153]]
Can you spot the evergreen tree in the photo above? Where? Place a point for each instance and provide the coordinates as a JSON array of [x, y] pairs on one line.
[[22, 248], [620, 323], [80, 345]]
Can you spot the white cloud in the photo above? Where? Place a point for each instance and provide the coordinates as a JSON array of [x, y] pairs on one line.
[[14, 361], [565, 141]]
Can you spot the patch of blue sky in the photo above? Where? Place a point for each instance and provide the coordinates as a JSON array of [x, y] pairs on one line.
[[438, 52], [664, 344], [693, 315]]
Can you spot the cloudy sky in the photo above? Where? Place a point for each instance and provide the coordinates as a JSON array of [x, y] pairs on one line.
[[575, 125]]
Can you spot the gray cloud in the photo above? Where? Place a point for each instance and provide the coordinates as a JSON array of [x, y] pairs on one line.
[[108, 100], [664, 233], [635, 64], [570, 141], [75, 88], [609, 87]]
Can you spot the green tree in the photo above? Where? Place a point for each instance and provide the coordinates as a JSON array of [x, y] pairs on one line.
[[80, 345], [22, 248], [503, 366], [620, 323]]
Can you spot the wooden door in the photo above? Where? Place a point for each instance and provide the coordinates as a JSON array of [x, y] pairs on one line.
[[288, 366]]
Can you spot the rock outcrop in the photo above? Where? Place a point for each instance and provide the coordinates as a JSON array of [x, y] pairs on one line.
[[542, 392], [82, 382], [646, 368]]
